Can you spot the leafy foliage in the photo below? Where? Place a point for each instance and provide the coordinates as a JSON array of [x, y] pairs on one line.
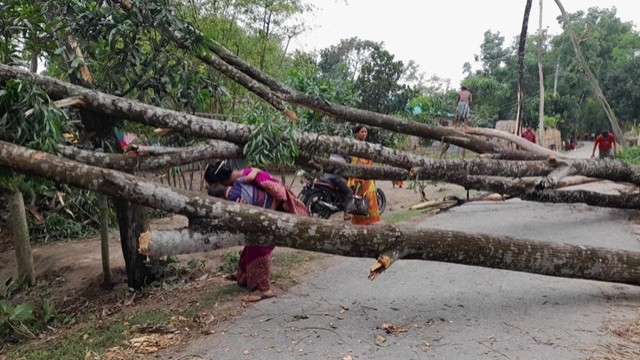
[[630, 155], [305, 76], [40, 131], [229, 262], [271, 142], [16, 321], [22, 321]]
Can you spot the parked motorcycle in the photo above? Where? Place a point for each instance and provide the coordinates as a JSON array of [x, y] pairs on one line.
[[323, 199]]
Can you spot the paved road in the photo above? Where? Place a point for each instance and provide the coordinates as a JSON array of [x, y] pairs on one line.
[[450, 311]]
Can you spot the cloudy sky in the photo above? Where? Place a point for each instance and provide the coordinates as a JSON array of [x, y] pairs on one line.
[[439, 35]]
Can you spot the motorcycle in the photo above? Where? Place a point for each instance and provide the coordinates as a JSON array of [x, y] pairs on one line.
[[323, 199]]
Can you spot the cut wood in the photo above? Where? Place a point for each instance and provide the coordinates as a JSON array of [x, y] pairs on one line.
[[68, 102], [431, 203]]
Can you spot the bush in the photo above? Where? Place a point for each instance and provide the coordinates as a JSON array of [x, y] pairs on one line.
[[630, 155], [21, 321]]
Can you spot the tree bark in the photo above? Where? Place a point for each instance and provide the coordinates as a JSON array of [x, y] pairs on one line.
[[307, 142], [541, 134], [518, 140], [104, 239], [20, 234], [602, 100], [214, 149], [236, 133], [265, 227], [521, 46], [98, 129], [218, 149]]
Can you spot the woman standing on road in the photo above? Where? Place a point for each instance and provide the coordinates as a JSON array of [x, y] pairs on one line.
[[364, 188]]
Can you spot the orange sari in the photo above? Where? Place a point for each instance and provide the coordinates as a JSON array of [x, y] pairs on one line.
[[366, 189]]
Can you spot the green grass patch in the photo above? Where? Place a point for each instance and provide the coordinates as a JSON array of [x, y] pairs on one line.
[[400, 216], [284, 263], [96, 337], [290, 258]]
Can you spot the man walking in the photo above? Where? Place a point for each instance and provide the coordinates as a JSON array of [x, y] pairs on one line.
[[606, 144]]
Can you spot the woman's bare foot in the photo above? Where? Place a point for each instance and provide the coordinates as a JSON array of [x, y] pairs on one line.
[[258, 296]]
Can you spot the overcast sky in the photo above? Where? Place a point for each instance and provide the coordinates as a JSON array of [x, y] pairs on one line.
[[439, 35]]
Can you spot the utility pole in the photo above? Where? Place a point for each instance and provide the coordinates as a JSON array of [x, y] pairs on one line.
[[555, 81]]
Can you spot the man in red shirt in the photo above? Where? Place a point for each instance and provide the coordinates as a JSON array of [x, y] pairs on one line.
[[529, 134], [606, 144]]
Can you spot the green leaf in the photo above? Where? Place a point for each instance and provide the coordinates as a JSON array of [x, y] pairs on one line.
[[23, 312]]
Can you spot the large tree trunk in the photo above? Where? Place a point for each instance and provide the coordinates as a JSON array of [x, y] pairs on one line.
[[541, 134], [98, 130], [308, 143], [454, 171], [602, 100], [189, 124], [133, 221], [264, 227], [104, 239], [20, 234], [193, 125], [521, 47]]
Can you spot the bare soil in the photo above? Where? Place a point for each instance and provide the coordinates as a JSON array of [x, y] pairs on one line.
[[69, 273]]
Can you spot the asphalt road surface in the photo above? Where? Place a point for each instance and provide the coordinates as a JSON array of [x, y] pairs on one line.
[[447, 311]]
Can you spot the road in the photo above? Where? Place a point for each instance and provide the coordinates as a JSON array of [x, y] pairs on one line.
[[447, 311]]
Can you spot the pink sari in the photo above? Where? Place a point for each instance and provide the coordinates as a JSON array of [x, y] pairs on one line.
[[254, 267]]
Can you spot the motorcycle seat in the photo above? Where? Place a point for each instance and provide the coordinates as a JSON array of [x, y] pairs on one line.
[[324, 184]]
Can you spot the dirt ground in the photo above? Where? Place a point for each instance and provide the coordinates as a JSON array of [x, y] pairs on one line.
[[70, 275]]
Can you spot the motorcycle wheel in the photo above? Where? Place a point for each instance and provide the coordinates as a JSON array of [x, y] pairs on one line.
[[382, 200], [311, 200]]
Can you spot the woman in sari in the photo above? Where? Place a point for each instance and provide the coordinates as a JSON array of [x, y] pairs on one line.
[[254, 267], [364, 188]]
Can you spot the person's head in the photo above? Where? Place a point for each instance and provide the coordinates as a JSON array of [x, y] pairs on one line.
[[463, 88], [529, 128], [605, 134], [360, 132], [218, 173], [218, 190]]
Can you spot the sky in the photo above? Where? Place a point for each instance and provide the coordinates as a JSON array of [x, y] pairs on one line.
[[440, 36]]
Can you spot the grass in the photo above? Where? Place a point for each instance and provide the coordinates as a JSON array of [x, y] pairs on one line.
[[96, 337], [401, 216], [216, 295], [283, 263], [93, 337]]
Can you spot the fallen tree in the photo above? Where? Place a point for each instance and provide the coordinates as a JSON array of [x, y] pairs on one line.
[[454, 171], [471, 174], [247, 224]]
